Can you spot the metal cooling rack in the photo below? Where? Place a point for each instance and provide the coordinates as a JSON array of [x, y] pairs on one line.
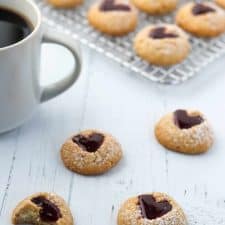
[[120, 49]]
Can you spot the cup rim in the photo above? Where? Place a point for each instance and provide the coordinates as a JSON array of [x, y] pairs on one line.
[[35, 30]]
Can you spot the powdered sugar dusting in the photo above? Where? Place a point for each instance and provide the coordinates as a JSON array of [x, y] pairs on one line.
[[196, 139], [196, 214], [203, 215]]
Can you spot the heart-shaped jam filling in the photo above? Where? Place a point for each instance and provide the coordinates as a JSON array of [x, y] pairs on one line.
[[185, 121], [49, 212], [151, 209], [91, 143], [160, 32], [110, 5], [200, 9]]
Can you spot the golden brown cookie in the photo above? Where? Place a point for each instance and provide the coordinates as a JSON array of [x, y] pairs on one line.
[[113, 17], [163, 45], [202, 19], [185, 131], [42, 209], [65, 3], [221, 3], [156, 6], [151, 209], [91, 152]]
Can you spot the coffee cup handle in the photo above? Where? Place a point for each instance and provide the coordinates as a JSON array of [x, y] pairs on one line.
[[52, 90]]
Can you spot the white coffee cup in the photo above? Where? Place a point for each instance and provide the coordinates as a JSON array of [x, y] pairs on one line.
[[20, 90]]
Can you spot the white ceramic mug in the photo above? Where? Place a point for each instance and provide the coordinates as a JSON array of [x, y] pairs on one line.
[[20, 90]]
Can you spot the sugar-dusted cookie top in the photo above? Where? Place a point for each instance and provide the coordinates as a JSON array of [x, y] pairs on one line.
[[186, 131], [42, 209], [151, 209], [203, 19], [91, 152], [113, 17], [163, 44]]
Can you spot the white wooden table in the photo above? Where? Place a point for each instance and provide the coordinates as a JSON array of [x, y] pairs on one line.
[[111, 98]]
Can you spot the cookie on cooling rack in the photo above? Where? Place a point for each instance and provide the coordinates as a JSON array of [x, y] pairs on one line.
[[185, 131], [221, 3], [151, 209], [42, 209], [91, 152], [204, 19], [65, 3], [113, 17], [164, 44], [156, 6]]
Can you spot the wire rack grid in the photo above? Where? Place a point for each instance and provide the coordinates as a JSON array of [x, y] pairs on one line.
[[120, 49]]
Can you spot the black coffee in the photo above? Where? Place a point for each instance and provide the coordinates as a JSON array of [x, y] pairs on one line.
[[13, 27]]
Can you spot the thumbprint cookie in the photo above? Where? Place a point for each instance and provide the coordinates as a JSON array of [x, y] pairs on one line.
[[151, 209], [204, 19], [162, 45], [91, 152], [113, 17], [156, 6], [42, 209], [185, 131]]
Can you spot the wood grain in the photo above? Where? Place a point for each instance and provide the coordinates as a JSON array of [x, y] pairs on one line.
[[109, 98]]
